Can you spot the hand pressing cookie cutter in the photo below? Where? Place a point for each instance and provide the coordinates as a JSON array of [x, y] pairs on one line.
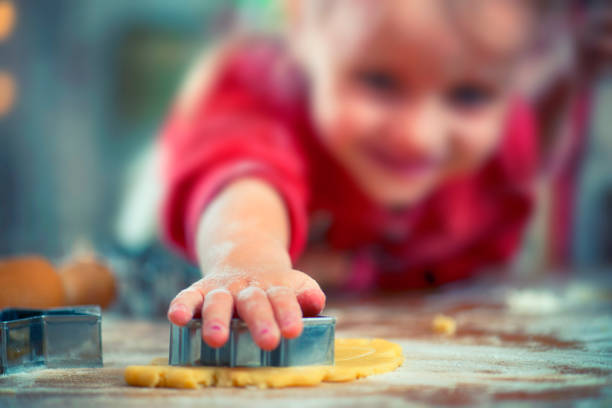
[[315, 346], [50, 338]]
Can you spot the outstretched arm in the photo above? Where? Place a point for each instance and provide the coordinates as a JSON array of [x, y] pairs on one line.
[[242, 242]]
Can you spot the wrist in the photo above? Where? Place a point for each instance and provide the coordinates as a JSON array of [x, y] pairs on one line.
[[255, 253]]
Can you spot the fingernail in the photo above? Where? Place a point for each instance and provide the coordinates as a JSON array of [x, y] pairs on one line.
[[176, 308]]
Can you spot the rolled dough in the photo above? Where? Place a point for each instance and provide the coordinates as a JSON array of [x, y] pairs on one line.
[[354, 358]]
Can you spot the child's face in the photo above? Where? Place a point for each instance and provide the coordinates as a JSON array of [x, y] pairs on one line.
[[409, 93]]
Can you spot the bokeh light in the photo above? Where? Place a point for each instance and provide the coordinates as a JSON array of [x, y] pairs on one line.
[[7, 18], [8, 90]]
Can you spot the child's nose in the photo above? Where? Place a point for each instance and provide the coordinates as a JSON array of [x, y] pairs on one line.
[[419, 127]]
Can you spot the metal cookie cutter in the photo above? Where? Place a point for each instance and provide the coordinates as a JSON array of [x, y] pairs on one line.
[[52, 338], [315, 346]]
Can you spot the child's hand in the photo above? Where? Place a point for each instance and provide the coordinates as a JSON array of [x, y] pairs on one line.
[[242, 248], [271, 304]]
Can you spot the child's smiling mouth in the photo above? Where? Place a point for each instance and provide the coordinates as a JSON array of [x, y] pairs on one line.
[[402, 165]]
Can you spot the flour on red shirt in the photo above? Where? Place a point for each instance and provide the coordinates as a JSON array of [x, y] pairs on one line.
[[255, 122]]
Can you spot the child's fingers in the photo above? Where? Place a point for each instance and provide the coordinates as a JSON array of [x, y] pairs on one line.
[[254, 308], [216, 314], [312, 301], [286, 310], [184, 305], [311, 298]]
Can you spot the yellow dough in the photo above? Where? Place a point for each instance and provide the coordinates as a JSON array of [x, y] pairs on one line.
[[444, 325], [355, 358]]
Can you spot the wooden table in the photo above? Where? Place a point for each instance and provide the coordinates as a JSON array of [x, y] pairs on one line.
[[541, 343]]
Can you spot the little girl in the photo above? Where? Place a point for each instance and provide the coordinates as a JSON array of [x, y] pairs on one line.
[[391, 130]]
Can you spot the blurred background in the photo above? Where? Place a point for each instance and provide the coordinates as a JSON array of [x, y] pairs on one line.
[[84, 87]]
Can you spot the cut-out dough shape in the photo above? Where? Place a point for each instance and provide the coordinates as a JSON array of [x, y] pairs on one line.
[[354, 358]]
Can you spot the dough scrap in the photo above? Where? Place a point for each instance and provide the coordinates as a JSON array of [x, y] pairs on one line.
[[354, 358], [442, 324]]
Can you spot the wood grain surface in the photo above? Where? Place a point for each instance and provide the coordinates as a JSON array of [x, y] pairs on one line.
[[544, 344]]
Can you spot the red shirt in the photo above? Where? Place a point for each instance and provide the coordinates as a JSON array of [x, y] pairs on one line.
[[255, 122]]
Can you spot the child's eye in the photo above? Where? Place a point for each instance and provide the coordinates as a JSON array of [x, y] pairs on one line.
[[469, 96], [378, 80]]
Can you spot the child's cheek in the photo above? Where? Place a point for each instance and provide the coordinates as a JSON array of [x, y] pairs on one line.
[[358, 118], [352, 118], [475, 138]]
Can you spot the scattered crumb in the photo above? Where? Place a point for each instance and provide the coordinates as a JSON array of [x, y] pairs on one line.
[[533, 302], [159, 361], [550, 301], [442, 324]]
